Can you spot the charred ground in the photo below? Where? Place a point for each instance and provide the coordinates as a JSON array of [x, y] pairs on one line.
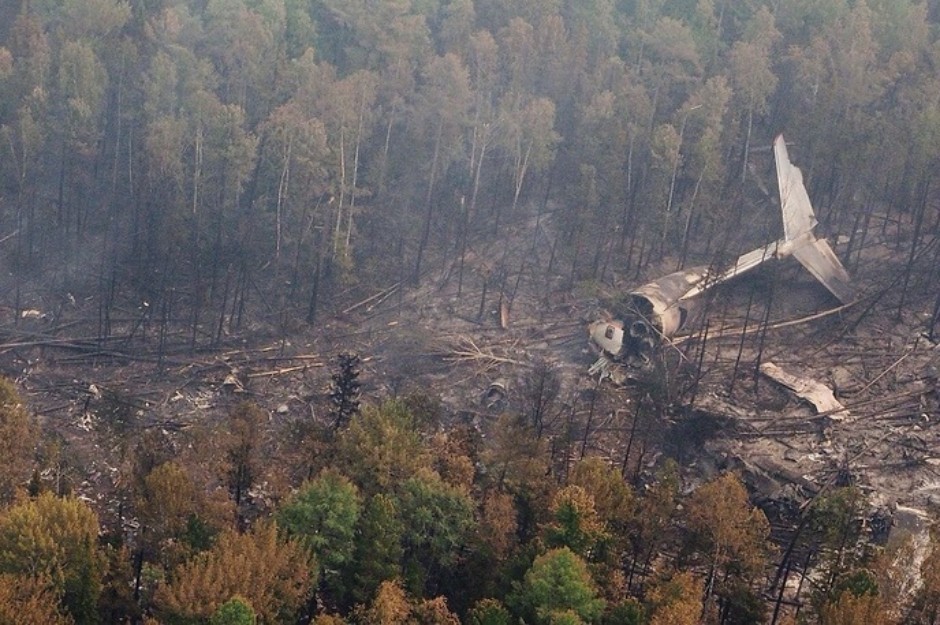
[[514, 317]]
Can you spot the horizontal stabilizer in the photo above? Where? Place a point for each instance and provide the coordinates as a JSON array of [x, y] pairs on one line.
[[823, 263]]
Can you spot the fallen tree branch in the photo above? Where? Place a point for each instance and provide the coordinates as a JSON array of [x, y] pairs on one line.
[[469, 351], [262, 374], [737, 331], [383, 293]]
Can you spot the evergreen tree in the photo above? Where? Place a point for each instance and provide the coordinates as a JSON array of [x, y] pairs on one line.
[[323, 515], [235, 611], [557, 585], [378, 551]]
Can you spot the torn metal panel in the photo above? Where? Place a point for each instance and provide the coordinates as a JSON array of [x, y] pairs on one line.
[[816, 393]]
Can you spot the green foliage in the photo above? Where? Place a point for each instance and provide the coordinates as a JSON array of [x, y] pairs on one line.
[[488, 612], [437, 519], [741, 604], [199, 534], [209, 157], [859, 582], [835, 516], [323, 515], [94, 18], [629, 612], [253, 114], [117, 603], [82, 83], [235, 611], [835, 526], [557, 588], [378, 550]]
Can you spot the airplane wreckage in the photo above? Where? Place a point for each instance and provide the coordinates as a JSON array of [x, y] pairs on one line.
[[656, 311]]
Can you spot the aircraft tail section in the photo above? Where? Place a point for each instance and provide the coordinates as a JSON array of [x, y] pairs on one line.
[[798, 223], [798, 217]]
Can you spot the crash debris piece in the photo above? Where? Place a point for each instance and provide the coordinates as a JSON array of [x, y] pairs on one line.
[[495, 395], [816, 393]]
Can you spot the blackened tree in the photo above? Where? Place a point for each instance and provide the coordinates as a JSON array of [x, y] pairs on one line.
[[344, 391]]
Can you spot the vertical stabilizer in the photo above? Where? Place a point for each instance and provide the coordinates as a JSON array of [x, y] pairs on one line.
[[798, 217], [798, 223]]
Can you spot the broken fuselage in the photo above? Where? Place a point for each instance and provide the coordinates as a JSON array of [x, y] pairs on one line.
[[658, 310]]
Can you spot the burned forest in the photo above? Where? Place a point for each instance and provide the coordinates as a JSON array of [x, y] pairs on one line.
[[393, 312]]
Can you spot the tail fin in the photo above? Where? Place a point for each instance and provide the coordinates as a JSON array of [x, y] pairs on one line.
[[798, 223], [798, 217]]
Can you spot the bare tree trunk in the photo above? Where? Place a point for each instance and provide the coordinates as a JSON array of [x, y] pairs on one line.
[[915, 243], [633, 428], [465, 224], [165, 305], [471, 209], [688, 222], [522, 165], [486, 283], [783, 587], [314, 292], [224, 305], [428, 201], [936, 315], [626, 213], [197, 168], [737, 360], [282, 184], [747, 142], [590, 419], [342, 190], [355, 176], [383, 167], [699, 362], [764, 324]]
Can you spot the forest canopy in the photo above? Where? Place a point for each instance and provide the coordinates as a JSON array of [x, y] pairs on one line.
[[243, 159]]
